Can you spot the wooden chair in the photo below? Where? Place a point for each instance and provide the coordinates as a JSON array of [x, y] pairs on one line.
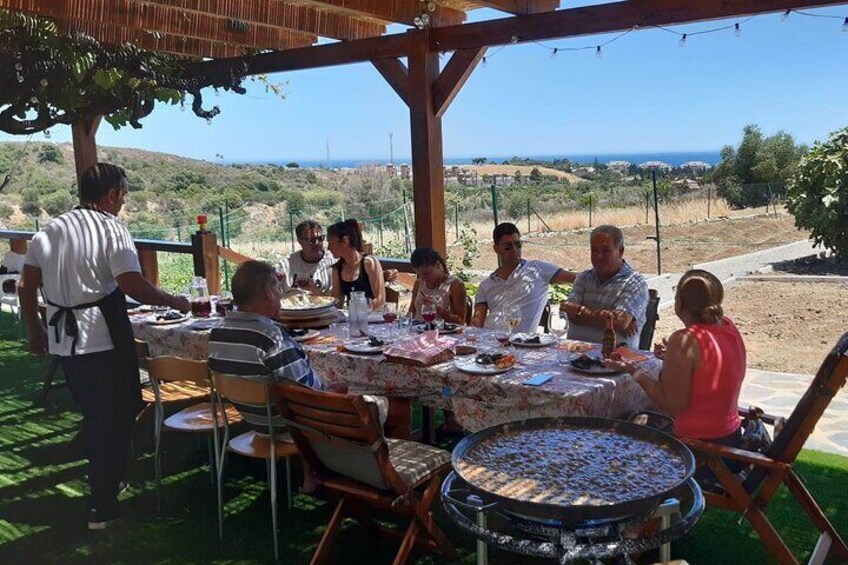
[[340, 438], [267, 440], [197, 418], [750, 495], [646, 337]]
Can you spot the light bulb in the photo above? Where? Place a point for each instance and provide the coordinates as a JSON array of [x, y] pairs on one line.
[[513, 39], [598, 53], [431, 6], [418, 22], [737, 30], [785, 15], [682, 40], [425, 19]]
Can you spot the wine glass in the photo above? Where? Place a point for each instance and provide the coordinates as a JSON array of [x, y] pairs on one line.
[[389, 316], [428, 314], [512, 318], [502, 332]]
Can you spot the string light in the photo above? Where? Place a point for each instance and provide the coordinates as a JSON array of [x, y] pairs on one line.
[[598, 53], [737, 30], [785, 15], [484, 63], [555, 50], [682, 42]]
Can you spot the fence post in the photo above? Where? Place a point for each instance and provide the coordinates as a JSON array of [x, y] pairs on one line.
[[149, 263], [381, 231], [647, 205], [771, 200], [590, 210], [456, 219], [657, 220], [179, 231], [224, 243], [709, 199], [495, 205], [405, 224], [36, 225], [528, 215], [291, 227]]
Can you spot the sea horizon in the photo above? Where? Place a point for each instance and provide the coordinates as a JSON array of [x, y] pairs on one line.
[[673, 158]]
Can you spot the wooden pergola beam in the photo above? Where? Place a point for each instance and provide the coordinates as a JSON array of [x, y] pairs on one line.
[[131, 14], [396, 74], [606, 18], [394, 11], [573, 22], [520, 7], [462, 63]]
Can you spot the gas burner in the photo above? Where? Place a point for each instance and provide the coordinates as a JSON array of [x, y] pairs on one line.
[[568, 542]]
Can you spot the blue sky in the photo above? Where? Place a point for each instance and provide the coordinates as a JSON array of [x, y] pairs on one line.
[[645, 94]]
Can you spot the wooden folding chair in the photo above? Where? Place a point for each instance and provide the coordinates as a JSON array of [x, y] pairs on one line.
[[750, 495], [646, 337], [266, 441], [197, 418], [340, 438]]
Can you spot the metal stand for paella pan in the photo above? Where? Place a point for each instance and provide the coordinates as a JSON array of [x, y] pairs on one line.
[[592, 540]]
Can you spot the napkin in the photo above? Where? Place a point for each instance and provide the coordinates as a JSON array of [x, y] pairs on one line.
[[426, 349]]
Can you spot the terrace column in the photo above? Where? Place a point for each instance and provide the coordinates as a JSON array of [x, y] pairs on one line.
[[85, 144]]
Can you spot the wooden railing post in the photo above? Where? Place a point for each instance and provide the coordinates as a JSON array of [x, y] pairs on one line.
[[149, 260], [205, 253]]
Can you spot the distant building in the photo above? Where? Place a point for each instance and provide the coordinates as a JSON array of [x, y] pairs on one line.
[[658, 165], [405, 173], [467, 177], [696, 166], [619, 166], [390, 169]]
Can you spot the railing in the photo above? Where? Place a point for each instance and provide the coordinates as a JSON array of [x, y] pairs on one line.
[[203, 248]]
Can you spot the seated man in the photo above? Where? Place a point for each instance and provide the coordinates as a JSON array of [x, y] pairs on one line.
[[311, 267], [251, 345], [517, 283], [610, 287]]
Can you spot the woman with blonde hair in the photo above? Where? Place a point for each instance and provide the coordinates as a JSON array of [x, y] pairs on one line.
[[703, 365]]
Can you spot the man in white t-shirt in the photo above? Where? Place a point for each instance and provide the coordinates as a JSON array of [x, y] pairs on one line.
[[311, 267], [517, 283], [84, 262]]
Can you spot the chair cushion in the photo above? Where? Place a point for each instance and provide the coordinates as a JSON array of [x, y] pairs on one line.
[[413, 461]]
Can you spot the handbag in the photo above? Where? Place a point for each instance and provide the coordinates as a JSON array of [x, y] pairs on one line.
[[755, 436]]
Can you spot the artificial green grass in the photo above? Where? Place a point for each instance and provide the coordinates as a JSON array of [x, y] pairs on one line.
[[43, 500]]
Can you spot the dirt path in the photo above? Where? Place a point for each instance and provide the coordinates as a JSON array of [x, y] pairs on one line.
[[787, 326], [683, 245]]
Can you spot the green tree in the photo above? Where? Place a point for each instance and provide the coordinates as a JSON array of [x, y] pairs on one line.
[[6, 211], [535, 175], [479, 160], [818, 193], [58, 202], [292, 165], [49, 153], [29, 202]]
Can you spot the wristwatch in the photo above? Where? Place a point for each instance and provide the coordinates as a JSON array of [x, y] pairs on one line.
[[578, 314]]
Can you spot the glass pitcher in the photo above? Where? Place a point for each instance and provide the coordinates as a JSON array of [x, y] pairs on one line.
[[201, 305], [357, 315]]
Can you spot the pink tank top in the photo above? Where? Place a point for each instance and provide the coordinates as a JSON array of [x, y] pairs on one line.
[[714, 397]]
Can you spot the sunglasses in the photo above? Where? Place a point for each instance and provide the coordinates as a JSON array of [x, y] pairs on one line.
[[313, 240]]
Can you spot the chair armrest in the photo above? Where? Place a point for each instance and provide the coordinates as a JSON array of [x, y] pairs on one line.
[[748, 457], [769, 419]]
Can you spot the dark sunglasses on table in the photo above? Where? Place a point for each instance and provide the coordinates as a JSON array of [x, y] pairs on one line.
[[313, 240]]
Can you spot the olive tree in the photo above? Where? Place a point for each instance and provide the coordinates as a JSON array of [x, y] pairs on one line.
[[818, 193]]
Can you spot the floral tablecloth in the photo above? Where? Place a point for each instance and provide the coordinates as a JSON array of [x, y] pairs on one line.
[[478, 401]]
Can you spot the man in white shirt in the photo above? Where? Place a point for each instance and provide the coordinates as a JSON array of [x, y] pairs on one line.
[[311, 267], [517, 283], [85, 261]]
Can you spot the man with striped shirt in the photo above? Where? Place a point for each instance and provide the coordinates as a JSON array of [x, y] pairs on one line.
[[249, 344]]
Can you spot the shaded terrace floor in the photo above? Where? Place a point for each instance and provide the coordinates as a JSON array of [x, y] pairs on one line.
[[42, 500]]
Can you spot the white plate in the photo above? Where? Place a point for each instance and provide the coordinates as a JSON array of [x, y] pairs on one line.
[[307, 336], [362, 346], [600, 371], [154, 322], [306, 303], [544, 340], [469, 365], [454, 329]]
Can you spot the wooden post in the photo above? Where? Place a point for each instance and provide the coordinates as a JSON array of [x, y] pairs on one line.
[[428, 180], [149, 260], [85, 144], [205, 245]]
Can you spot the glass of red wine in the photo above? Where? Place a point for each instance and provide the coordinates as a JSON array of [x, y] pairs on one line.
[[502, 333], [390, 316], [428, 314], [201, 307]]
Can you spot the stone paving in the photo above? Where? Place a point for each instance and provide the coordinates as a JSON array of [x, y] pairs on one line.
[[776, 393]]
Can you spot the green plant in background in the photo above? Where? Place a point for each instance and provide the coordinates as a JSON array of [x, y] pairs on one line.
[[818, 193], [459, 265], [558, 293]]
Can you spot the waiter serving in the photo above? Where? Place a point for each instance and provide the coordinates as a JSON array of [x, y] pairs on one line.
[[85, 262]]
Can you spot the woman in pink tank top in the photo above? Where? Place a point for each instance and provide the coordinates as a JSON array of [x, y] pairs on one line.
[[703, 365]]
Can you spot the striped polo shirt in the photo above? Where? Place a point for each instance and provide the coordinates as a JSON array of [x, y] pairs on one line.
[[254, 347]]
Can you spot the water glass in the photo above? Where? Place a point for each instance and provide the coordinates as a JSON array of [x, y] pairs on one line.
[[339, 331]]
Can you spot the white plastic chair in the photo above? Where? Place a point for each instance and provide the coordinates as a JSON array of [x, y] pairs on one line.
[[10, 301]]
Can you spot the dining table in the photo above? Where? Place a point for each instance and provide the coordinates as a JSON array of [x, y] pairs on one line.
[[478, 401]]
